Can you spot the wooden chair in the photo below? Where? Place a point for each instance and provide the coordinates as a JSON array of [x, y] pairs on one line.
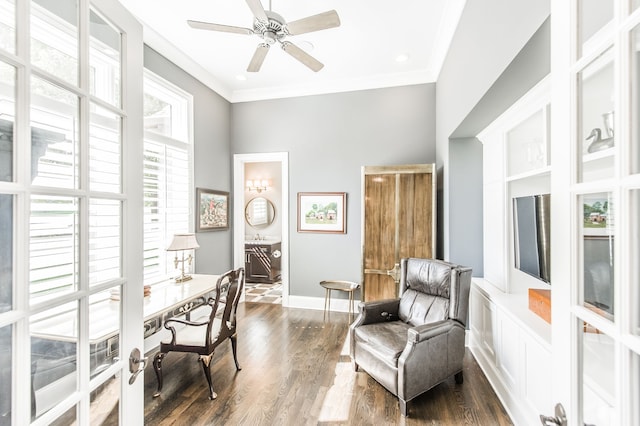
[[202, 336]]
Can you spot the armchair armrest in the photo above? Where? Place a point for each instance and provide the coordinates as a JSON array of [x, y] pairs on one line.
[[377, 311], [424, 332]]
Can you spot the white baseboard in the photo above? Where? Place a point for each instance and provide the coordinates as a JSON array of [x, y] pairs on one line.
[[317, 303]]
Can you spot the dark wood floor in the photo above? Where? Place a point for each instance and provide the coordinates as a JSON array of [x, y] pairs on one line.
[[296, 370]]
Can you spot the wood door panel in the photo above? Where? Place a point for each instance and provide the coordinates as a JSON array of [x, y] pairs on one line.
[[415, 216], [398, 221], [379, 227], [380, 287]]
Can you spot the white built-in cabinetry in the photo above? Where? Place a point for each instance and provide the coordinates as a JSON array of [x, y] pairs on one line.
[[511, 344]]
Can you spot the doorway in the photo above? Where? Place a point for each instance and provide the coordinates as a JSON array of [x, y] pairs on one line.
[[261, 225]]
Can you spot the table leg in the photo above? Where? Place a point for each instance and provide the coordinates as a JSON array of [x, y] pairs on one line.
[[327, 301]]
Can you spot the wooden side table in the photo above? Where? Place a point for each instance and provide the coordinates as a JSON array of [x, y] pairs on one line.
[[348, 286]]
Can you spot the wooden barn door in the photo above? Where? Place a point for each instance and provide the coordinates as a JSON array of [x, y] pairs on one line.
[[398, 221]]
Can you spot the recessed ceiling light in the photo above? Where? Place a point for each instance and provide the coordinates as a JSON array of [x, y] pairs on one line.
[[241, 77], [403, 57]]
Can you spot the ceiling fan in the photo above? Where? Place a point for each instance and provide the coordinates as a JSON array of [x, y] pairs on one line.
[[272, 28]]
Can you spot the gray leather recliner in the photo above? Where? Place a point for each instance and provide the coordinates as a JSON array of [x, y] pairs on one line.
[[413, 343]]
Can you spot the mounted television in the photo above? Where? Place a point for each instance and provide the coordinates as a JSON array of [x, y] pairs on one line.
[[531, 232]]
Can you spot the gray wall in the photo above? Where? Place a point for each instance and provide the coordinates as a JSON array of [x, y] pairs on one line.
[[465, 215], [488, 39], [529, 66], [329, 137], [212, 156]]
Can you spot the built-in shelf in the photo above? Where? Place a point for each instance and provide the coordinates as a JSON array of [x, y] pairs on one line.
[[595, 156], [511, 343], [543, 171], [516, 305]]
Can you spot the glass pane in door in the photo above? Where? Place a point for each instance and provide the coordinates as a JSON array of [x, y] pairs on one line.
[[104, 326], [6, 368], [596, 119], [54, 38], [104, 60], [634, 258], [104, 240], [104, 341], [634, 158], [6, 248], [68, 418], [594, 16], [598, 376], [598, 285], [54, 135], [54, 355], [105, 150], [634, 392], [8, 25], [53, 247], [7, 119], [105, 403]]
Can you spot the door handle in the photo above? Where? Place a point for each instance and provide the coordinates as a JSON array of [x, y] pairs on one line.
[[559, 419], [394, 273], [134, 364]]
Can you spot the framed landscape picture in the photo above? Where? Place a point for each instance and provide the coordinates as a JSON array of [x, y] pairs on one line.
[[212, 210], [323, 212]]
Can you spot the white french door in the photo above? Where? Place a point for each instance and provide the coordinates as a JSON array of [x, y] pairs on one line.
[[595, 56], [71, 212]]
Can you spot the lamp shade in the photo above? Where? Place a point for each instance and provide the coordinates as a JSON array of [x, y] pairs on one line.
[[183, 242]]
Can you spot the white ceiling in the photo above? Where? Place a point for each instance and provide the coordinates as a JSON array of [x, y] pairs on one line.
[[360, 54]]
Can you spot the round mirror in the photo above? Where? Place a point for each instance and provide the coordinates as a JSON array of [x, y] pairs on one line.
[[259, 212]]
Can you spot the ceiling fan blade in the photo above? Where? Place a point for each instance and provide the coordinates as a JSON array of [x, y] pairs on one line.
[[321, 21], [218, 27], [257, 10], [258, 57], [302, 56]]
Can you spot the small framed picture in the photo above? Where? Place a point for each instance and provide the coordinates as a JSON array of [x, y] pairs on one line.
[[597, 211], [212, 210], [323, 212]]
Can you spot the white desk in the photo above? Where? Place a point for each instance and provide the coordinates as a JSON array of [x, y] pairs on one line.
[[54, 337], [166, 299], [54, 334]]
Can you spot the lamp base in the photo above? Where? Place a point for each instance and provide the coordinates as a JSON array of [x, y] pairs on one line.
[[183, 278]]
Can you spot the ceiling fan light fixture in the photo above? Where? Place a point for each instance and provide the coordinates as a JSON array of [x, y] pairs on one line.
[[273, 28], [269, 37]]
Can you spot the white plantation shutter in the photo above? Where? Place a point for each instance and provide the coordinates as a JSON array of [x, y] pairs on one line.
[[168, 189], [166, 205]]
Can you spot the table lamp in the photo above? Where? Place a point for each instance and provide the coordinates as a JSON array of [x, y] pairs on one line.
[[183, 242]]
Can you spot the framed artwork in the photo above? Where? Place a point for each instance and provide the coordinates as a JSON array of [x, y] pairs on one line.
[[323, 212], [596, 210], [212, 209]]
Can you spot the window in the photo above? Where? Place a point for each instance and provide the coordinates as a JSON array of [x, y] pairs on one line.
[[168, 192]]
